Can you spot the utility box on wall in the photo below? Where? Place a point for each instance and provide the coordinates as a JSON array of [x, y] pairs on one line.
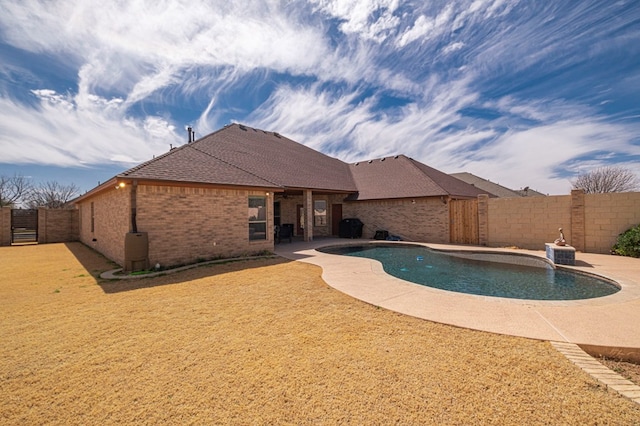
[[136, 251]]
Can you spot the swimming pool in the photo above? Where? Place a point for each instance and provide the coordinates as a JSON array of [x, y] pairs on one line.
[[518, 277]]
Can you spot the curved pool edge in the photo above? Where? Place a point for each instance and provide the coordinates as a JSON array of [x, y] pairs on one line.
[[610, 321], [490, 254]]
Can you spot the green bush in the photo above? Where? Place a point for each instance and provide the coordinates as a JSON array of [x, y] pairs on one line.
[[628, 243]]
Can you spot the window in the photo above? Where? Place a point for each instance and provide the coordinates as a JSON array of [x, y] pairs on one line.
[[93, 222], [257, 218], [320, 213]]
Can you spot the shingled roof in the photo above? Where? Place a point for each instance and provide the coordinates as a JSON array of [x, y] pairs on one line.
[[495, 188], [241, 155], [238, 155], [403, 177]]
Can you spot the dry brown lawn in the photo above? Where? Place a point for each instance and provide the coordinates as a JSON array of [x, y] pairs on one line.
[[259, 342]]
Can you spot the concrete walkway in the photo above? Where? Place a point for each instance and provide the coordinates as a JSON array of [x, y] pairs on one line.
[[610, 322]]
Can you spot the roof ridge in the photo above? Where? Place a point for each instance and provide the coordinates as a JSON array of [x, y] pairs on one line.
[[421, 172]]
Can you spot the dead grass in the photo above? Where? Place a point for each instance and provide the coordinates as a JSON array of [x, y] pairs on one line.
[[259, 342]]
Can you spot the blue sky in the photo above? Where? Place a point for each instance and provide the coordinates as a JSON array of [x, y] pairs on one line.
[[523, 93]]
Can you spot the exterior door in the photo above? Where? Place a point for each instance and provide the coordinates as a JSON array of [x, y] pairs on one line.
[[336, 217]]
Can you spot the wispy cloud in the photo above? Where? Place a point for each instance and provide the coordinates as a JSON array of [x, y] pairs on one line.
[[368, 19], [490, 86], [60, 132]]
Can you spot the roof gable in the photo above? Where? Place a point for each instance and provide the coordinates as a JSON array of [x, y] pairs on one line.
[[403, 177]]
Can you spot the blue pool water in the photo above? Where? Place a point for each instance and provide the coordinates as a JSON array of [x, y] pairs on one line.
[[443, 271]]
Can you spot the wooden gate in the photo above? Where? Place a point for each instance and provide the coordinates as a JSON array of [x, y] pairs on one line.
[[24, 226], [463, 222]]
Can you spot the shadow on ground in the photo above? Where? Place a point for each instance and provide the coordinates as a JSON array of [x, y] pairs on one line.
[[95, 264]]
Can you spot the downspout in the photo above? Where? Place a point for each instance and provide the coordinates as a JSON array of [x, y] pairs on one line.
[[134, 194]]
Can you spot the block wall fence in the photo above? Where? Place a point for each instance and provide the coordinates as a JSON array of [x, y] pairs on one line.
[[57, 225], [54, 225], [590, 222]]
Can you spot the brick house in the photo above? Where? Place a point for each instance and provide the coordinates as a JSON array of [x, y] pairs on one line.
[[224, 194]]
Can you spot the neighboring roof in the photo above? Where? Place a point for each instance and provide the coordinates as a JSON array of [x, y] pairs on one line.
[[494, 188], [403, 177], [241, 155]]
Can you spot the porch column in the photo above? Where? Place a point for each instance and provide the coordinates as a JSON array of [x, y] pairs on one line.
[[308, 215]]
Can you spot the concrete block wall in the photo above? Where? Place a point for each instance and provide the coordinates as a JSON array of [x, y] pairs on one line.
[[419, 219], [185, 225], [111, 210], [57, 225], [527, 222], [5, 226], [591, 222], [608, 215]]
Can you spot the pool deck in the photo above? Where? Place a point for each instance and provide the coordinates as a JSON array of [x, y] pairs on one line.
[[608, 322]]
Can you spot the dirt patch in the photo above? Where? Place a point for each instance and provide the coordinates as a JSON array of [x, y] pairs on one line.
[[259, 342], [628, 370]]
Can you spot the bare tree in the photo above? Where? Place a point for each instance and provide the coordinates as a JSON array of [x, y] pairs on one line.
[[607, 179], [13, 189], [51, 194]]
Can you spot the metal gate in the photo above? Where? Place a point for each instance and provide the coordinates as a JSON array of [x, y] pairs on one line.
[[24, 226], [463, 222]]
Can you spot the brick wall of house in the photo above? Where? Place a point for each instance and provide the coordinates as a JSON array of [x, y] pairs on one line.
[[288, 209], [111, 210], [607, 216], [57, 225], [185, 225], [528, 222], [5, 226], [425, 220]]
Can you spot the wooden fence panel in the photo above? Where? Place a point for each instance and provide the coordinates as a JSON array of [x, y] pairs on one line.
[[463, 222]]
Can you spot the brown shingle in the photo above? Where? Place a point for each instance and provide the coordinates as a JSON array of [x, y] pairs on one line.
[[241, 155], [494, 188], [403, 177], [188, 164]]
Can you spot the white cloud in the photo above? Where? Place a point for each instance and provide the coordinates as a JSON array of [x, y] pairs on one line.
[[426, 27], [369, 19], [435, 133], [438, 59], [61, 132], [534, 156], [453, 47], [140, 47]]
